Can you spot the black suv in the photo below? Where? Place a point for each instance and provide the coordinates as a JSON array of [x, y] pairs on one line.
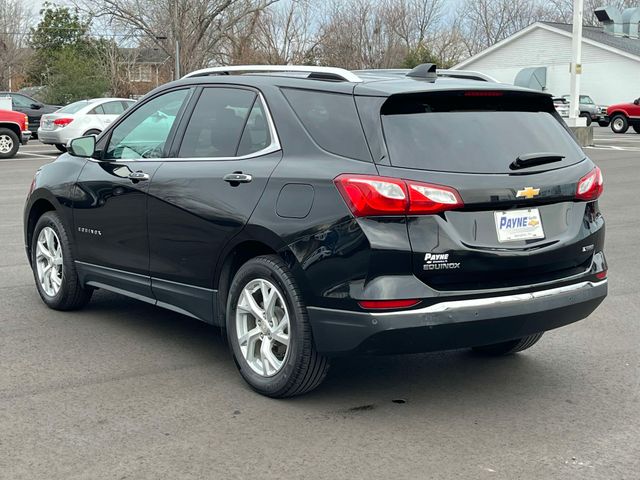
[[313, 212]]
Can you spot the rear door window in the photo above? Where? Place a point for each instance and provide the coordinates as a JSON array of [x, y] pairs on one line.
[[332, 121], [112, 108], [451, 133]]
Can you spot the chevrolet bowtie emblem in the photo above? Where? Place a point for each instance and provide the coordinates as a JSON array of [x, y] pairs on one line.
[[528, 192]]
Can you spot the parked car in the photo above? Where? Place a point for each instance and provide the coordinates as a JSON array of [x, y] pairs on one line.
[[14, 130], [32, 107], [591, 111], [330, 214], [562, 106], [86, 117], [625, 115]]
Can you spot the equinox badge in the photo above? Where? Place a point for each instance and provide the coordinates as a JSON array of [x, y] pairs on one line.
[[528, 192]]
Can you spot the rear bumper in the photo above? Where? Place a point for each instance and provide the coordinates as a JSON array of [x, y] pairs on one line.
[[454, 324], [52, 137]]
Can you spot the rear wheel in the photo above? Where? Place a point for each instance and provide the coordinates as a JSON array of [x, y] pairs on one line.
[[93, 131], [61, 147], [619, 124], [269, 332], [54, 267], [587, 116], [9, 143], [512, 346], [636, 128]]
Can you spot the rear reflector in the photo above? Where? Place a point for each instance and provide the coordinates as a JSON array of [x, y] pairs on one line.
[[374, 196], [601, 275], [590, 186], [386, 304], [62, 122]]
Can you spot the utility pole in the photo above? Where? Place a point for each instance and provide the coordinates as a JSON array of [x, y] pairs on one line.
[[576, 66], [177, 70], [177, 60]]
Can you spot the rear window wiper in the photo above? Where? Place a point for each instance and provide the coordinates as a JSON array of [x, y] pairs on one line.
[[533, 159]]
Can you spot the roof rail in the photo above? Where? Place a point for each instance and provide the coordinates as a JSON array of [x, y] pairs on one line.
[[318, 73]]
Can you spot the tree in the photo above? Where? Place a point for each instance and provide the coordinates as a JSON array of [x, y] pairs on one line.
[[65, 58], [201, 27], [14, 21], [75, 77]]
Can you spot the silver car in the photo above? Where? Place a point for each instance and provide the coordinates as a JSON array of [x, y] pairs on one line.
[[86, 117]]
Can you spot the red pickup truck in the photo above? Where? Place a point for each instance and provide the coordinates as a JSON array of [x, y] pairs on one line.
[[14, 130], [625, 115]]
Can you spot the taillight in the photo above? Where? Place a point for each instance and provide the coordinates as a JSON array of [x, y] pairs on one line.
[[374, 196], [385, 304], [590, 186], [62, 122]]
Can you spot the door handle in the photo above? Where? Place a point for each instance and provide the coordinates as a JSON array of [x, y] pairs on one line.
[[139, 176], [237, 177]]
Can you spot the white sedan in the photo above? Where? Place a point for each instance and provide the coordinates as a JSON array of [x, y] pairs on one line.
[[86, 117]]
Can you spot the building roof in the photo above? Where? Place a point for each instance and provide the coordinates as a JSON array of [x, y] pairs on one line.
[[627, 47], [597, 34]]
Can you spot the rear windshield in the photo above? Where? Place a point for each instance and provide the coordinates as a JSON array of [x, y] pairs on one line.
[[76, 106], [453, 133]]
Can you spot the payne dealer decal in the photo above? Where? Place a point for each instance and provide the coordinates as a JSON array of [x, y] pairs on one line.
[[439, 261]]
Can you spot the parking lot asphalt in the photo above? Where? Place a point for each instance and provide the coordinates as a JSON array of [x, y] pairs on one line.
[[124, 390]]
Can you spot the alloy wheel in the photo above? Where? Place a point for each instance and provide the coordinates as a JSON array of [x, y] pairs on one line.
[[6, 144], [262, 327], [49, 261]]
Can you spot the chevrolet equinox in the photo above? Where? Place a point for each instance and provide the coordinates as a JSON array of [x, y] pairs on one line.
[[313, 212]]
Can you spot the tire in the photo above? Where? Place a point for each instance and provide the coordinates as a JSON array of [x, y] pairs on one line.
[[587, 116], [70, 295], [9, 143], [619, 123], [294, 370], [510, 347], [61, 147], [603, 123], [93, 131], [636, 128]]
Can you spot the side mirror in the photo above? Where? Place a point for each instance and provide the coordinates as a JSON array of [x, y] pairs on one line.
[[36, 106], [84, 147], [636, 101]]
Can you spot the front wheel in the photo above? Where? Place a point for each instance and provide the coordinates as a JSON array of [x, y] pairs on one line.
[[619, 124], [269, 331], [9, 143], [61, 147], [587, 117], [54, 267], [512, 346]]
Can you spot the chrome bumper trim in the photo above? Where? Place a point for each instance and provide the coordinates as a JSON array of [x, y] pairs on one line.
[[492, 301]]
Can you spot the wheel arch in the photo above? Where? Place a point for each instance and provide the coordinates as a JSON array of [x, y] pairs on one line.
[[618, 112], [253, 242], [38, 208], [14, 127]]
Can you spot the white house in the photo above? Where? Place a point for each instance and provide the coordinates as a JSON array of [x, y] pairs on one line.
[[610, 61]]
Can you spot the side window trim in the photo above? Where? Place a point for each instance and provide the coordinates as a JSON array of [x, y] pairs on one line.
[[274, 146], [105, 141]]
